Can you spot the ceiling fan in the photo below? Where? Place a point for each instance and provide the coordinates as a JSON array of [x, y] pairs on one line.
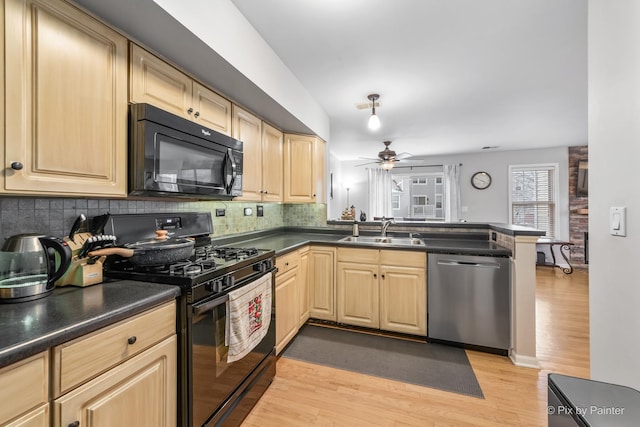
[[387, 158]]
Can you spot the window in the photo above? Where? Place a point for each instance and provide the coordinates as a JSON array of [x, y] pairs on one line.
[[418, 195], [533, 196], [395, 202], [419, 180]]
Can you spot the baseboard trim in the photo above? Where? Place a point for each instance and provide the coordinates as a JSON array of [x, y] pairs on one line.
[[524, 361]]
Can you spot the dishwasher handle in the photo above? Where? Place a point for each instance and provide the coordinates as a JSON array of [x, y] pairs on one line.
[[452, 262]]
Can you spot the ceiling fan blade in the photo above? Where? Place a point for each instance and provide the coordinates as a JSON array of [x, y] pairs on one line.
[[368, 163], [402, 156], [369, 158]]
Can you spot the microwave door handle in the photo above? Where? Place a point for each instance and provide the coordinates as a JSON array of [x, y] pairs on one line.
[[230, 160]]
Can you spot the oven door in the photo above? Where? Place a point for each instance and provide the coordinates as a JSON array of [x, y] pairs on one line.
[[213, 379]]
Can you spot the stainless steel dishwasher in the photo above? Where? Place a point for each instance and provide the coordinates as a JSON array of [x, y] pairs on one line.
[[469, 301]]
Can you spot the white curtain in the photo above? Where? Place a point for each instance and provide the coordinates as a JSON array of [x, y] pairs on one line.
[[452, 192], [379, 193]]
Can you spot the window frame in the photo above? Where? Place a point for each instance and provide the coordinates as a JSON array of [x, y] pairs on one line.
[[556, 189]]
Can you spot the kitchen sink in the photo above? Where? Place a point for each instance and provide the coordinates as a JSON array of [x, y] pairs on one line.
[[382, 240]]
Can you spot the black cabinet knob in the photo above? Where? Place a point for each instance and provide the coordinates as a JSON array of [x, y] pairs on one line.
[[197, 114], [16, 166], [132, 340], [74, 424], [190, 110]]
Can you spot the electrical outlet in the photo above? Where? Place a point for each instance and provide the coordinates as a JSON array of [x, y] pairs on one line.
[[248, 211], [260, 210], [220, 212], [494, 236]]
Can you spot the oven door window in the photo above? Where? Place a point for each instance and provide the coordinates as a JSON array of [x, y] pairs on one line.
[[180, 166], [213, 379]]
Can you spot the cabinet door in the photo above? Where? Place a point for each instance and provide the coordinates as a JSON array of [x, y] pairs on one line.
[[248, 129], [211, 110], [403, 299], [319, 174], [303, 287], [322, 283], [153, 81], [24, 385], [358, 294], [272, 164], [299, 182], [140, 392], [39, 417], [286, 307], [66, 93]]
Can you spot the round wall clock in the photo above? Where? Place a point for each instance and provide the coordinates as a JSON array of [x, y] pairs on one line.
[[481, 180]]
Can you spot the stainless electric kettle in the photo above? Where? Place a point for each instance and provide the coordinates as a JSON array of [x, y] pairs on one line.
[[29, 266]]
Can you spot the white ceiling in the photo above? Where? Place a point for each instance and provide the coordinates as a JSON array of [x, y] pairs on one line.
[[453, 75]]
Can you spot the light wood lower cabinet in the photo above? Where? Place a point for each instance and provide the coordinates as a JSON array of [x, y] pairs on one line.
[[123, 374], [24, 392], [385, 289], [322, 283], [140, 392], [287, 280], [65, 102], [303, 287]]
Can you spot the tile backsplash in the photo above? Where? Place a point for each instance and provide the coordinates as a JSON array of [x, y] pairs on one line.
[[54, 216]]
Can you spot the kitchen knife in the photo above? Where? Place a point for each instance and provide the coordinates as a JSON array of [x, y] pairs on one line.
[[76, 226]]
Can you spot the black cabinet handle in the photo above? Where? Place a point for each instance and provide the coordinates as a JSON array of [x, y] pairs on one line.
[[197, 114], [190, 110], [76, 423], [382, 277], [16, 166], [132, 339], [375, 276]]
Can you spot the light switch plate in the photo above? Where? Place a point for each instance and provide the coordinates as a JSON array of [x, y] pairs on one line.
[[259, 210], [618, 221]]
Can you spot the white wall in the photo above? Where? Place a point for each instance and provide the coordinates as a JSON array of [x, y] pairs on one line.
[[614, 153], [490, 205]]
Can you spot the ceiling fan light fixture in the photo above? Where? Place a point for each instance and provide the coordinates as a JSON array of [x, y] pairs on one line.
[[387, 165], [374, 120]]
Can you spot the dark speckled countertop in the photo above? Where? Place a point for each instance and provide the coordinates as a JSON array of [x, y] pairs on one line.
[[285, 241], [28, 328]]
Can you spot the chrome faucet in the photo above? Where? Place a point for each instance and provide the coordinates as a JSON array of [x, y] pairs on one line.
[[386, 222]]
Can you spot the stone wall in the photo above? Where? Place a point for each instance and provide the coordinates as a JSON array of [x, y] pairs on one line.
[[578, 208]]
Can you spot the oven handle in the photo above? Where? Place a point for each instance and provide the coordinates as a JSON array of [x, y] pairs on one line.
[[197, 309]]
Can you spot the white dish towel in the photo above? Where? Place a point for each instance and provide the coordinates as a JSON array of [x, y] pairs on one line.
[[248, 317]]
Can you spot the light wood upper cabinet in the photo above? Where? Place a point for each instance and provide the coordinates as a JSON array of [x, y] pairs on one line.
[[272, 164], [322, 283], [65, 102], [156, 82], [24, 392], [304, 169]]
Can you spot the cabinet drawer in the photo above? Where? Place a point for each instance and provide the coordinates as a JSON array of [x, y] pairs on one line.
[[403, 258], [23, 386], [82, 359], [365, 256], [287, 262], [39, 417]]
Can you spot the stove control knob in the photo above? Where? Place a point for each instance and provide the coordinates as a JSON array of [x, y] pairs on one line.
[[214, 285], [228, 281], [260, 267]]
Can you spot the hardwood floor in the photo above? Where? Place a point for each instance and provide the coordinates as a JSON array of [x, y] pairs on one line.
[[303, 394]]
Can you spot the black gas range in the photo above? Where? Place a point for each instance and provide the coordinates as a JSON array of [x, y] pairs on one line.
[[211, 271], [211, 390]]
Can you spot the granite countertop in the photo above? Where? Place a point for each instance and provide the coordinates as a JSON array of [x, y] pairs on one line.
[[285, 241], [27, 328]]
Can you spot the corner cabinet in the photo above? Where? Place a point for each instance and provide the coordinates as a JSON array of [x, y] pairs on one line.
[[304, 169], [382, 289], [262, 157], [65, 102], [322, 282], [156, 82]]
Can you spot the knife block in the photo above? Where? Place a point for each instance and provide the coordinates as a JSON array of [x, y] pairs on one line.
[[82, 273]]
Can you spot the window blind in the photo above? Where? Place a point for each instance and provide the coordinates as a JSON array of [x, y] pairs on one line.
[[533, 198]]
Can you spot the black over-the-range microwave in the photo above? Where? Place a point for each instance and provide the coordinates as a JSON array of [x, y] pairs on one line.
[[174, 157]]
